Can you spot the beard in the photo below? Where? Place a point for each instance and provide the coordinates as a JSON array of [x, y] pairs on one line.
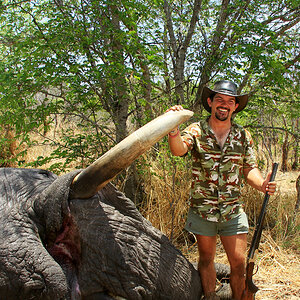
[[221, 116]]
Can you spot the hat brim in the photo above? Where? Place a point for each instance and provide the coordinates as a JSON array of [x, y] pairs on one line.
[[207, 93]]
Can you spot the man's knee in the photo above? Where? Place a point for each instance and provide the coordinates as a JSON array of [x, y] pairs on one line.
[[238, 267], [206, 255], [205, 262]]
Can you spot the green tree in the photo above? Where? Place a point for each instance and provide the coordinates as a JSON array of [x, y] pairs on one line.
[[90, 63], [252, 42], [72, 58]]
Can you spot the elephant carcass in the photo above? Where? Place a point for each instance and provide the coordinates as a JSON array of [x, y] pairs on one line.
[[77, 237], [56, 248]]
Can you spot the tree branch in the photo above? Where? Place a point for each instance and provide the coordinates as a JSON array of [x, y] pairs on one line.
[[295, 135], [169, 24], [193, 22]]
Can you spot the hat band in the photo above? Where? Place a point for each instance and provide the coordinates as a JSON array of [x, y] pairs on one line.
[[225, 91]]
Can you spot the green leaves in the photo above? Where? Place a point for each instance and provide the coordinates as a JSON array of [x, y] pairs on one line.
[[98, 63]]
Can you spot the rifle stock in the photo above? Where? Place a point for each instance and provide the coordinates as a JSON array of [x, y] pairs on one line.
[[250, 288]]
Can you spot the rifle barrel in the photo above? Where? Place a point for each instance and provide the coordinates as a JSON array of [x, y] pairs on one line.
[[259, 226]]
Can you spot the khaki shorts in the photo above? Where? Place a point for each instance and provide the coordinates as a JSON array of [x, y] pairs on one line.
[[197, 225]]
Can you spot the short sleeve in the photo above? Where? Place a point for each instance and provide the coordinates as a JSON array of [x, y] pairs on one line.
[[189, 134], [250, 155]]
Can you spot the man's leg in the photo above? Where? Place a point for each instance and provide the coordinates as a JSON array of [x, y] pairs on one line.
[[235, 247], [206, 266]]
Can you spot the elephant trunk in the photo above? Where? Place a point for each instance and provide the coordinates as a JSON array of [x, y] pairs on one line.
[[96, 176]]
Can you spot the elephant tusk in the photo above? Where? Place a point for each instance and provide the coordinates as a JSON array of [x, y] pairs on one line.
[[103, 170]]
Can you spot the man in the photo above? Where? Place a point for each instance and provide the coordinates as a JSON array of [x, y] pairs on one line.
[[223, 155]]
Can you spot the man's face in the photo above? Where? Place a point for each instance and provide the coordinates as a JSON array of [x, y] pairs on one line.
[[222, 106]]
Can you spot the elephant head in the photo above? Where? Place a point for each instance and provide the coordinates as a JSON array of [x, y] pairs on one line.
[[77, 237]]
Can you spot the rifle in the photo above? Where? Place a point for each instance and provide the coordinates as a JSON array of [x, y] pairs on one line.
[[250, 287]]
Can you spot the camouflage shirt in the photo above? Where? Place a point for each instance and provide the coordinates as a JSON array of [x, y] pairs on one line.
[[217, 173]]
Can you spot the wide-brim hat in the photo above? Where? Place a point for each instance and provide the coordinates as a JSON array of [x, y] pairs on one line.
[[225, 87]]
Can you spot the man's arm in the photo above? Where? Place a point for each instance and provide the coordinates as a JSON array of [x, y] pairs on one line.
[[255, 179], [176, 144]]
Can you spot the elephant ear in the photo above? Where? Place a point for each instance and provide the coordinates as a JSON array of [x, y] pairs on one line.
[[52, 206], [27, 271]]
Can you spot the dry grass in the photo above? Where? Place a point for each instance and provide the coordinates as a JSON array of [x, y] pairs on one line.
[[166, 203], [278, 270], [281, 220], [166, 183], [278, 276]]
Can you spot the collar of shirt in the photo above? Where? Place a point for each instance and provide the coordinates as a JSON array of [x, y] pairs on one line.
[[206, 129]]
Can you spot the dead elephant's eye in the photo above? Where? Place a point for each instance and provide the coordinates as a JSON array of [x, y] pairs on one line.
[[44, 173]]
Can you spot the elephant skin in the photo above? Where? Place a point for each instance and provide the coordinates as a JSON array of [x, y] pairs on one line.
[[54, 247]]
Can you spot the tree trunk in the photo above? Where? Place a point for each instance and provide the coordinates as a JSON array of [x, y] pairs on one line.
[[298, 195], [285, 151], [295, 164], [180, 46], [213, 56], [9, 147], [120, 98]]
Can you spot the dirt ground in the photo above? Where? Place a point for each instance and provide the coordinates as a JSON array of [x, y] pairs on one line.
[[287, 182], [278, 275], [278, 269]]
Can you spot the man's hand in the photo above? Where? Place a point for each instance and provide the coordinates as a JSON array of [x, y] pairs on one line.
[[174, 131], [269, 187], [175, 108], [255, 179]]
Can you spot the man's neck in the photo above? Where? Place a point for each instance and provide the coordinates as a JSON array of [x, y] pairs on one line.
[[219, 126], [220, 129]]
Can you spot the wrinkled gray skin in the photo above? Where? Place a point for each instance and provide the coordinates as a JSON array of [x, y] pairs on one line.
[[55, 248], [77, 237]]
